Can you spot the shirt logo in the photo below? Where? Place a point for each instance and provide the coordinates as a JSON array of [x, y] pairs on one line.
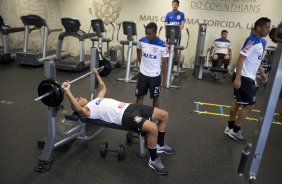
[[178, 17], [121, 105], [137, 119], [248, 46], [155, 49], [98, 101], [151, 56]]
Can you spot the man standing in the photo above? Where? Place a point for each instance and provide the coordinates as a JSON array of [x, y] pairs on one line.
[[244, 84], [152, 53], [175, 17]]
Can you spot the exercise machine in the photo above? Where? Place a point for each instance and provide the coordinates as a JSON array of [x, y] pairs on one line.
[[52, 94], [73, 63], [6, 53], [27, 57], [113, 54], [129, 29], [253, 153], [202, 63], [173, 34], [268, 58]]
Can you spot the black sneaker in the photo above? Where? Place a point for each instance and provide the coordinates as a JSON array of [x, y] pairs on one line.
[[158, 166]]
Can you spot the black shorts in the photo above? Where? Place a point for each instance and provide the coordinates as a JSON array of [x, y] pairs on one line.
[[135, 115], [152, 83], [246, 94]]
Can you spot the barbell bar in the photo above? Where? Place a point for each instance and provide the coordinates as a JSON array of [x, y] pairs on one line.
[[54, 91]]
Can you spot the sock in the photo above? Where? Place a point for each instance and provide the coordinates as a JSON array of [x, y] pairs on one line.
[[236, 128], [161, 138], [153, 153], [231, 124]]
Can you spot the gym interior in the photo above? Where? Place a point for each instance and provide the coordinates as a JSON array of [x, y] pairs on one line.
[[198, 107]]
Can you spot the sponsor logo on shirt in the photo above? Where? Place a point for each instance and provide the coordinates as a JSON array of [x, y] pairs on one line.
[[166, 49], [174, 23], [248, 46], [121, 105], [150, 56], [98, 101]]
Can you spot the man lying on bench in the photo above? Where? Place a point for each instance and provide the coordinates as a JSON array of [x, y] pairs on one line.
[[139, 118]]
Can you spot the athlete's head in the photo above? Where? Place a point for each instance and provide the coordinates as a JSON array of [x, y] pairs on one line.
[[272, 34], [224, 34], [262, 26], [175, 5], [151, 31]]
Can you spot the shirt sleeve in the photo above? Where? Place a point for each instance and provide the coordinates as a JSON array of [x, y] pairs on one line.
[[246, 49], [166, 18], [213, 44], [165, 51], [183, 18], [139, 45]]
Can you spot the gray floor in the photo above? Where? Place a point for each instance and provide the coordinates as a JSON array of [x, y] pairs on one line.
[[204, 154]]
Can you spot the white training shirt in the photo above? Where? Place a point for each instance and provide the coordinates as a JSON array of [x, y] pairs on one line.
[[152, 54], [107, 109], [221, 46], [253, 49]]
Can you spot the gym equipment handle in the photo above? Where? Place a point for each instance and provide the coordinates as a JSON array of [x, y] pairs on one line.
[[74, 80]]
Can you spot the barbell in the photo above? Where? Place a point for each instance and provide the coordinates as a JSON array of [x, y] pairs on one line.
[[51, 93]]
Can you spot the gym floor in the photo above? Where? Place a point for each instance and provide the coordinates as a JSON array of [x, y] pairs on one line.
[[203, 153]]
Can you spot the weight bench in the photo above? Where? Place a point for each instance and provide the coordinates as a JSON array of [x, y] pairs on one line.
[[75, 117]]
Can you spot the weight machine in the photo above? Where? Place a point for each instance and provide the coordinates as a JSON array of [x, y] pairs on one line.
[[202, 62], [51, 94]]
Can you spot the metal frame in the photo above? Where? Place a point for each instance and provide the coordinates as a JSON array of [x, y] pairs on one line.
[[78, 131], [273, 90]]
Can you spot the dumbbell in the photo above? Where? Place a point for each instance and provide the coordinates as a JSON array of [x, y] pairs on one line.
[[104, 151]]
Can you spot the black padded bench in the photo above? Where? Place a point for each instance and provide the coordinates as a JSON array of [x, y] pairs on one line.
[[75, 117], [104, 124]]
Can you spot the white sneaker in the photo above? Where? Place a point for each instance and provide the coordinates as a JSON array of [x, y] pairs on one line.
[[237, 136], [227, 130], [158, 166]]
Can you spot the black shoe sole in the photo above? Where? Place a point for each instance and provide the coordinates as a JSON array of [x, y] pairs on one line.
[[241, 142]]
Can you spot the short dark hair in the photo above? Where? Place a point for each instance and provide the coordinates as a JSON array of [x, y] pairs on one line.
[[175, 1], [272, 34], [152, 25], [224, 31], [261, 22]]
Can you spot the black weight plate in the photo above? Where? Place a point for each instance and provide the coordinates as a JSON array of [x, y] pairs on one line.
[[57, 94], [107, 67], [121, 152]]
